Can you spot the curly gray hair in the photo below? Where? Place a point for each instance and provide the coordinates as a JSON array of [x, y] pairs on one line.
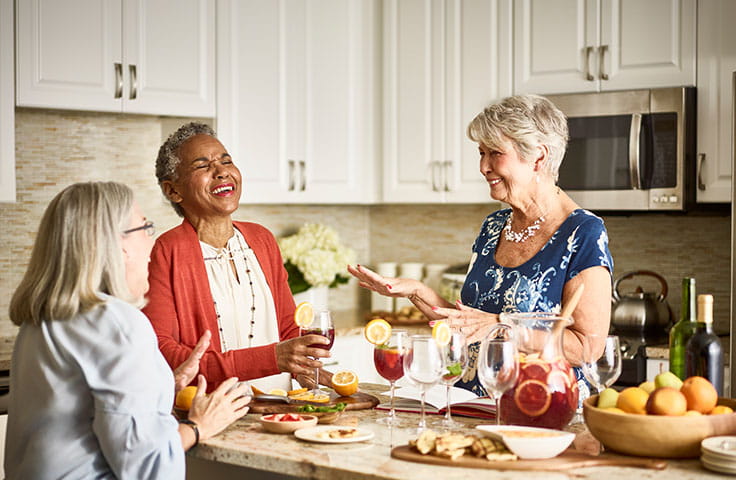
[[168, 159], [528, 121]]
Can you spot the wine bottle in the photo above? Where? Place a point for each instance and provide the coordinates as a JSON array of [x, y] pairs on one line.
[[704, 354], [681, 331]]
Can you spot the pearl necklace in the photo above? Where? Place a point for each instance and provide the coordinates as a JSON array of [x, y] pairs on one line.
[[524, 235]]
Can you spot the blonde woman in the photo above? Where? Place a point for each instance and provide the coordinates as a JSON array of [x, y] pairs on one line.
[[91, 395]]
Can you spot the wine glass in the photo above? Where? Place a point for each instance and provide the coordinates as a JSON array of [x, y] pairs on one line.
[[498, 364], [455, 356], [321, 325], [423, 366], [601, 370], [389, 361]]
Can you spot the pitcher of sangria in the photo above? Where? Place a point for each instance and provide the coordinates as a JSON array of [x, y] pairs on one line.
[[546, 391]]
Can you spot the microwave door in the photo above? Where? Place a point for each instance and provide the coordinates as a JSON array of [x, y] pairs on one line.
[[634, 159]]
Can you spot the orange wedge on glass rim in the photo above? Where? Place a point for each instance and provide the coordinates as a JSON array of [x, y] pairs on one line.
[[441, 333], [377, 331], [304, 314]]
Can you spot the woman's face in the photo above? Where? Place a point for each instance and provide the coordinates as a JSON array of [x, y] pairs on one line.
[[208, 183], [137, 247], [506, 172]]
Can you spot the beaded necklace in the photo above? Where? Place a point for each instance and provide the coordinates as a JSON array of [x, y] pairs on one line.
[[524, 235]]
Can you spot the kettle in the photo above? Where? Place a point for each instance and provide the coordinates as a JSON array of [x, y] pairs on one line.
[[646, 315]]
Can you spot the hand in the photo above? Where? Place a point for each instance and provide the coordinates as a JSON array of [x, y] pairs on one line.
[[293, 355], [471, 322], [388, 286], [325, 378], [214, 412], [185, 373]]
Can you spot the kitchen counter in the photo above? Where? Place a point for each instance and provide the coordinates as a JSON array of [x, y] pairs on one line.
[[246, 444]]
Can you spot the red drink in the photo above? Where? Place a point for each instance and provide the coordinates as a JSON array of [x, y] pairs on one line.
[[329, 333], [389, 363], [545, 394]]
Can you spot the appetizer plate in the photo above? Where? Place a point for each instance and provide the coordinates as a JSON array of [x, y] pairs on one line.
[[333, 434], [275, 424], [530, 442]]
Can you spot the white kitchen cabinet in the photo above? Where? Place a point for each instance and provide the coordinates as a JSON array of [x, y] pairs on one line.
[[444, 61], [716, 64], [566, 46], [134, 56], [296, 98], [7, 104]]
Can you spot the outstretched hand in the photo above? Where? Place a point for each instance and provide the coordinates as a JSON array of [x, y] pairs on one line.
[[471, 322], [185, 373], [388, 286]]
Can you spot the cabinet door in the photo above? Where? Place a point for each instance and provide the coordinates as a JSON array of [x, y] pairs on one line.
[[69, 54], [647, 44], [169, 57], [555, 46], [716, 64]]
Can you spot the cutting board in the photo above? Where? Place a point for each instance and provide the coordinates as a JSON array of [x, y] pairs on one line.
[[356, 401], [567, 460]]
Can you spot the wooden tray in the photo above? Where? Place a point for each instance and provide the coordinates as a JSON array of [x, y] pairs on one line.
[[567, 460], [356, 401]]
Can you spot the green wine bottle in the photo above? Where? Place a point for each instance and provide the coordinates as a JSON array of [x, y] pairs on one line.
[[683, 329]]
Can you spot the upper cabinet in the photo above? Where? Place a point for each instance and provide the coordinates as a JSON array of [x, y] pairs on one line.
[[716, 64], [7, 104], [605, 45], [297, 103], [444, 61], [136, 56]]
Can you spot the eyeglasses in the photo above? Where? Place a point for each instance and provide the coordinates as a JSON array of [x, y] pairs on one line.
[[148, 227]]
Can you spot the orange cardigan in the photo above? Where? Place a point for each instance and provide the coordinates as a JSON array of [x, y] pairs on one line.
[[181, 308]]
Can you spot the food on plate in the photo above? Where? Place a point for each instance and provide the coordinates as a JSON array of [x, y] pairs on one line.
[[441, 333], [454, 445], [667, 379], [700, 393], [377, 331], [608, 398], [633, 400], [256, 390], [339, 433], [304, 314], [184, 397], [666, 401], [408, 314], [338, 407], [345, 382], [284, 417]]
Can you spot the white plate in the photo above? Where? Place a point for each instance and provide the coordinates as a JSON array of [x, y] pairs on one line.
[[718, 468], [530, 442], [319, 434], [722, 446]]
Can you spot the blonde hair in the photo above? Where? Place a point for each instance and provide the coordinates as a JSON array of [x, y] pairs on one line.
[[528, 121], [77, 254]]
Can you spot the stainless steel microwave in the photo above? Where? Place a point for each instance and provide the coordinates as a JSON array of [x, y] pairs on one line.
[[630, 150]]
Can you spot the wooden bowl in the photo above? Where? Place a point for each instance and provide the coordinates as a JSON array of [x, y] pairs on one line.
[[275, 426], [656, 435]]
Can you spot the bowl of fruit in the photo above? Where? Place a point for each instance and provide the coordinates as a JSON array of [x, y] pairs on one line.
[[666, 419], [287, 422]]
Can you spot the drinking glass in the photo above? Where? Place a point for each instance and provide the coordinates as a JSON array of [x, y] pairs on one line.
[[498, 364], [601, 371], [455, 356], [389, 361], [322, 325], [423, 367]]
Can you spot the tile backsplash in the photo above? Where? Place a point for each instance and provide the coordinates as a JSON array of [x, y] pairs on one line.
[[56, 148]]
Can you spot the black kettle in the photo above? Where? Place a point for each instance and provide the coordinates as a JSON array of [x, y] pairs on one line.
[[646, 315]]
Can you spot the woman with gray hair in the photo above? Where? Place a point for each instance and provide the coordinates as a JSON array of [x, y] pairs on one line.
[[532, 256], [90, 393]]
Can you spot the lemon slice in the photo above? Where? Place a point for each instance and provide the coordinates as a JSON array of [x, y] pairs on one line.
[[297, 391], [277, 391], [441, 333], [304, 314], [345, 383], [377, 331], [321, 398]]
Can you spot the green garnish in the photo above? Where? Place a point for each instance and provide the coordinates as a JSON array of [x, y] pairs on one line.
[[338, 407], [454, 369]]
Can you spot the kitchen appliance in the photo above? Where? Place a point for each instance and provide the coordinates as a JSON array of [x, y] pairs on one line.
[[630, 150], [639, 318]]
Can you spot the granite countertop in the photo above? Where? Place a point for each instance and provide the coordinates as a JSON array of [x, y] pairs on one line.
[[246, 444]]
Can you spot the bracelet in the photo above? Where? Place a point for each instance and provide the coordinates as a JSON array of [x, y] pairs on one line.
[[186, 421]]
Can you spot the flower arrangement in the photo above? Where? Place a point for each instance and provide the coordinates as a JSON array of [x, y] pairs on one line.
[[314, 257]]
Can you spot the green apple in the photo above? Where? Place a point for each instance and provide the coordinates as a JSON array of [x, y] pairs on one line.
[[647, 386], [607, 398], [667, 379]]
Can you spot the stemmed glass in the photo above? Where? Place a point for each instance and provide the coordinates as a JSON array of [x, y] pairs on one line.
[[455, 356], [498, 363], [601, 370], [423, 366], [321, 325], [389, 361]]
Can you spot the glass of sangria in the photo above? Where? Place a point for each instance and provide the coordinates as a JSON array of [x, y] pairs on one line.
[[389, 361], [321, 325]]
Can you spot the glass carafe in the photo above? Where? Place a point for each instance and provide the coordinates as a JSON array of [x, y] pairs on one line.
[[546, 391]]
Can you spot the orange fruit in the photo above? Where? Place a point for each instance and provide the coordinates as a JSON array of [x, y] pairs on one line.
[[377, 331], [345, 383], [693, 413], [532, 397], [297, 391], [304, 314], [633, 400], [441, 333], [256, 390], [720, 410], [184, 397], [666, 401], [701, 395]]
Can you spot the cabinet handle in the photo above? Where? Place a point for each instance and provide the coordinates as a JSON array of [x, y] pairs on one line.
[[303, 176], [291, 175], [604, 76], [701, 160], [588, 51], [133, 82], [634, 136], [118, 80], [434, 166], [446, 174]]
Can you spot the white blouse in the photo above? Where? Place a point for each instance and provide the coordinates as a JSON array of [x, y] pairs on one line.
[[246, 314]]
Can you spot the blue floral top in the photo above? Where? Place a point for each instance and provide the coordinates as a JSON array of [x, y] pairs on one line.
[[535, 286]]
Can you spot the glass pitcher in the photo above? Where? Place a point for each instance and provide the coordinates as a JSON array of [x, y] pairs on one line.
[[546, 391]]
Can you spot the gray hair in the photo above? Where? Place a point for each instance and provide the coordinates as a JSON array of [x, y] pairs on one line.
[[168, 159], [528, 121], [77, 254]]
